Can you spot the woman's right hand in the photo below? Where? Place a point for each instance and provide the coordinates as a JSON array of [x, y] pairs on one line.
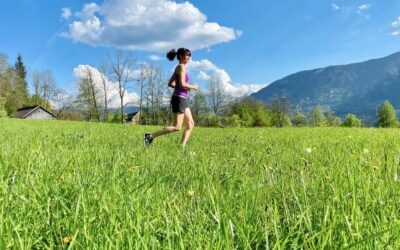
[[195, 86], [172, 84]]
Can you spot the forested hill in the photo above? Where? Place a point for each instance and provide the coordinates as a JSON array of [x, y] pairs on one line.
[[357, 88]]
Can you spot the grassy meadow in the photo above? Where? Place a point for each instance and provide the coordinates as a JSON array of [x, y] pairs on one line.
[[77, 185]]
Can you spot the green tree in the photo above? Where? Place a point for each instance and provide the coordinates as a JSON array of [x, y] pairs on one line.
[[118, 115], [198, 106], [213, 120], [7, 90], [38, 100], [262, 118], [279, 108], [21, 96], [316, 117], [233, 121], [387, 116], [244, 112], [110, 116], [250, 112], [70, 113], [332, 120], [299, 119], [366, 121], [89, 95], [3, 112], [5, 76], [351, 121]]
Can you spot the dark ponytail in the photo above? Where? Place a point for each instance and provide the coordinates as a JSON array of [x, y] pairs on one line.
[[181, 52], [171, 54]]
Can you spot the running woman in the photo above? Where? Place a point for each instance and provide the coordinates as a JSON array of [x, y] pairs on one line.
[[180, 82]]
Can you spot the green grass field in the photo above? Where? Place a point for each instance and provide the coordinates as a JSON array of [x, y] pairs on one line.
[[94, 186]]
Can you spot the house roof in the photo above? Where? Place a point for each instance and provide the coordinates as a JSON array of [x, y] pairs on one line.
[[133, 113], [24, 112]]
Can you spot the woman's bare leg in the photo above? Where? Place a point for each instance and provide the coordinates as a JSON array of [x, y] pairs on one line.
[[178, 121], [189, 123]]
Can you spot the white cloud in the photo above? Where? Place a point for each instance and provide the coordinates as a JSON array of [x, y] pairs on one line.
[[156, 25], [364, 7], [88, 11], [66, 13], [395, 27], [61, 99], [335, 7], [203, 76], [155, 58], [114, 99], [204, 65], [207, 70]]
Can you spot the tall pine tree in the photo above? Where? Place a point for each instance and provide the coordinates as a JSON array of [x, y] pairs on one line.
[[21, 96]]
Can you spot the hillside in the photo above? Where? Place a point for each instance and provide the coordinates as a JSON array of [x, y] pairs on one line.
[[357, 88]]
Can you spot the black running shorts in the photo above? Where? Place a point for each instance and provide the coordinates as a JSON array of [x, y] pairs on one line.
[[179, 104]]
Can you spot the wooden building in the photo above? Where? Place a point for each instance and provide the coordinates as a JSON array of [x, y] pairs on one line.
[[133, 117], [34, 112]]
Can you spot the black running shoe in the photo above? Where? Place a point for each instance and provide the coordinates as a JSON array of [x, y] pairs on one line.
[[147, 140]]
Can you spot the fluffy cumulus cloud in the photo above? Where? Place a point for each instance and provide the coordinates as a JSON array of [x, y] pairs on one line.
[[207, 70], [66, 13], [202, 65], [203, 76], [156, 25], [114, 101], [395, 27]]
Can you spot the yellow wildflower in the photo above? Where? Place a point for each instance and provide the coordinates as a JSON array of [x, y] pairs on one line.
[[190, 193], [67, 240]]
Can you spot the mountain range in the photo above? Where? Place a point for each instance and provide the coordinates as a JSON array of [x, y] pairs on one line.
[[357, 88], [128, 109]]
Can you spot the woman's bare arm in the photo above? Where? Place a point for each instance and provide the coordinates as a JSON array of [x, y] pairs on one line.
[[181, 71], [171, 82]]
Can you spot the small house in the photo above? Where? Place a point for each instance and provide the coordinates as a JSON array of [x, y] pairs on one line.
[[133, 117], [34, 112]]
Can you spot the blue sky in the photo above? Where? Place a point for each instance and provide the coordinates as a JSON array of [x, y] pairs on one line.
[[248, 44]]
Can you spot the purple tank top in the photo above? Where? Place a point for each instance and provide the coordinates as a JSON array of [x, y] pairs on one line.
[[181, 91]]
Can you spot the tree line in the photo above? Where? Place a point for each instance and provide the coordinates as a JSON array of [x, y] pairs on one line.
[[248, 112], [212, 106], [14, 91]]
